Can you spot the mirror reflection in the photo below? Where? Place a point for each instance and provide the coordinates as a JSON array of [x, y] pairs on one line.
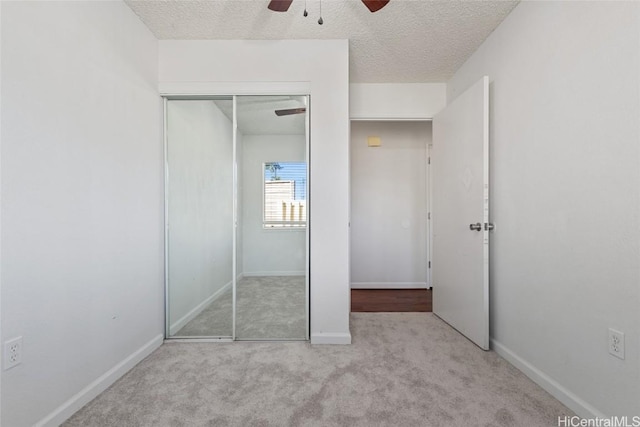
[[263, 241]]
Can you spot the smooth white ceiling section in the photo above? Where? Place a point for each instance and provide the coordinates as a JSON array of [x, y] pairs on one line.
[[256, 115], [405, 42]]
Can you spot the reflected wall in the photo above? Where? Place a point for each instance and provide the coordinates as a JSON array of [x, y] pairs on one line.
[[237, 223], [199, 161]]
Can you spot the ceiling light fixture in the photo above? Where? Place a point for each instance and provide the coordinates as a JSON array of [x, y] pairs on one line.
[[283, 6]]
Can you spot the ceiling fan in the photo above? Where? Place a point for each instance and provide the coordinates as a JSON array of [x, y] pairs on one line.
[[283, 5], [290, 111]]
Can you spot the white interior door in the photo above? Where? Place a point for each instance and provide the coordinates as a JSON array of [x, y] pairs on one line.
[[460, 168]]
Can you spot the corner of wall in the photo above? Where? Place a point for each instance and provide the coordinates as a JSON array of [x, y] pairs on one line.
[[569, 399], [90, 392]]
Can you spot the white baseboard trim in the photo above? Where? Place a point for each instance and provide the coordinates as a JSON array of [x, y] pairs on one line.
[[331, 338], [273, 273], [569, 399], [178, 324], [388, 285], [87, 394]]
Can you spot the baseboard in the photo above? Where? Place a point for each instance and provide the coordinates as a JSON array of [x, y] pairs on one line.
[[330, 338], [388, 285], [273, 273], [179, 324], [87, 394], [569, 399]]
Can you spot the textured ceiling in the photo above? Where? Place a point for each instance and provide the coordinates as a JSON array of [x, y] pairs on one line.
[[408, 41]]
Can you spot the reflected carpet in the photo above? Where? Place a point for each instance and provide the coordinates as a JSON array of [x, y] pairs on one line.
[[268, 307]]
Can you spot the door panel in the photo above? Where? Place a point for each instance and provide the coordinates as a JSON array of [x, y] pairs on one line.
[[199, 215], [460, 170], [271, 164]]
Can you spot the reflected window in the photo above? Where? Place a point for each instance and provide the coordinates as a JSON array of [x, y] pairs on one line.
[[285, 195]]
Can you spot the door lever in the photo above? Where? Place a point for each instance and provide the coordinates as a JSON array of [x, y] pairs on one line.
[[475, 227], [489, 226]]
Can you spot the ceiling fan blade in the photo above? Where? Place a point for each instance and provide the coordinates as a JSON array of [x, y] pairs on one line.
[[375, 5], [291, 111], [279, 5]]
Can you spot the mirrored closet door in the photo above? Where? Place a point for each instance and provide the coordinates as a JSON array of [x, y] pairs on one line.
[[237, 218], [199, 207], [271, 296]]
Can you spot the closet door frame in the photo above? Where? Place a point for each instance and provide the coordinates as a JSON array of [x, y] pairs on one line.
[[212, 90]]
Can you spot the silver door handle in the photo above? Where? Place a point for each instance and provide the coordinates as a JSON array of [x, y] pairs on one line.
[[489, 226], [475, 227]]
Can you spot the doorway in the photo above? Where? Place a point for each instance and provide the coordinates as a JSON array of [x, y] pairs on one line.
[[236, 218], [459, 224], [390, 204]]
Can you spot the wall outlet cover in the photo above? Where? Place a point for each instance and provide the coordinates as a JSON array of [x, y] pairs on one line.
[[616, 343], [12, 352]]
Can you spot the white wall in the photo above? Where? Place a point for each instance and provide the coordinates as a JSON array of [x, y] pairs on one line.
[[389, 205], [320, 67], [565, 183], [269, 251], [200, 194], [396, 100], [82, 251]]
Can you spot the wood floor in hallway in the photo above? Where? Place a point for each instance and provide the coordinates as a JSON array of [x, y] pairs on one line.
[[391, 300]]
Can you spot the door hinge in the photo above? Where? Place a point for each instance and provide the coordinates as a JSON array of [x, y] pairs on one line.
[[429, 215], [429, 264], [428, 160]]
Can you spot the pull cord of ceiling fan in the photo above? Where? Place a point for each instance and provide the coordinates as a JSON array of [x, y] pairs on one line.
[[320, 21], [305, 9]]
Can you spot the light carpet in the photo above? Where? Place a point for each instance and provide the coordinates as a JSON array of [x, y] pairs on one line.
[[403, 369], [267, 307]]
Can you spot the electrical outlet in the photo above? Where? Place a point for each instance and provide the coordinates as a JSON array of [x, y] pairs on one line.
[[12, 353], [616, 343]]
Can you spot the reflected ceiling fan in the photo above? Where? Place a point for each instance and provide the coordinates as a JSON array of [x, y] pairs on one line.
[[283, 5], [290, 111]]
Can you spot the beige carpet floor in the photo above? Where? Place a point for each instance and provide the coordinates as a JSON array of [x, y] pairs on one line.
[[403, 369]]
